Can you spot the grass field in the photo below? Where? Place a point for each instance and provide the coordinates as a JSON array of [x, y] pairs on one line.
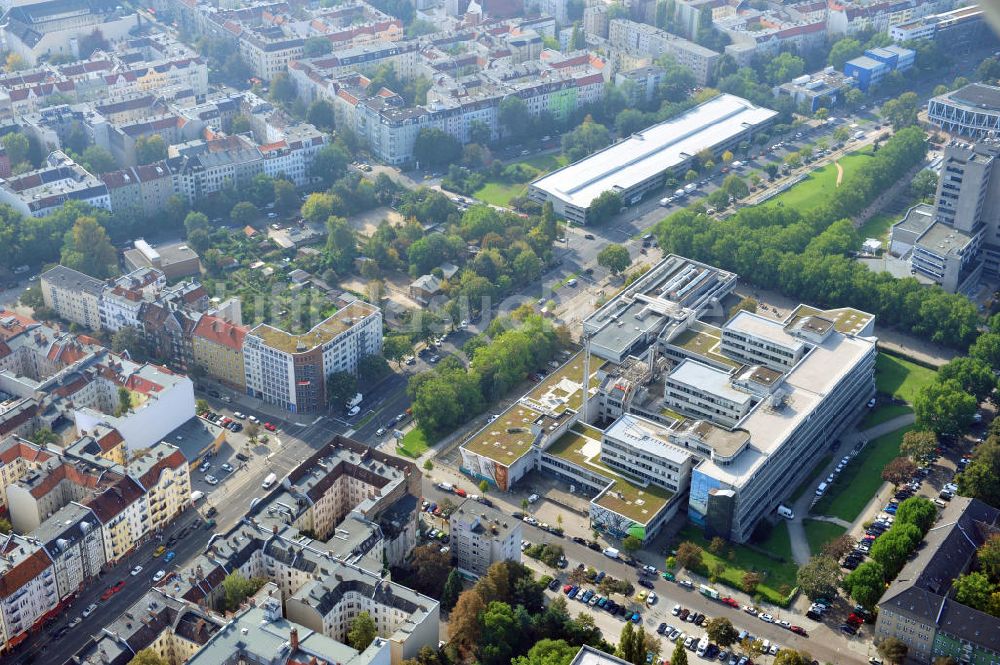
[[883, 414], [414, 444], [878, 226], [818, 185], [857, 484], [900, 378], [776, 574], [500, 193], [819, 533]]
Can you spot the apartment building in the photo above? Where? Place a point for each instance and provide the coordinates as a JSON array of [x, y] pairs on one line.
[[56, 27], [920, 607], [268, 50], [40, 192], [28, 591], [481, 536], [164, 475], [73, 296], [642, 40], [124, 515], [851, 17], [958, 28], [290, 370], [72, 539], [217, 347]]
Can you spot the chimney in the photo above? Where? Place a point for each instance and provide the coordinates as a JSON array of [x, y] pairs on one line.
[[293, 639]]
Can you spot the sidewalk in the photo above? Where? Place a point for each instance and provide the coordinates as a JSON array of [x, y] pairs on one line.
[[796, 529]]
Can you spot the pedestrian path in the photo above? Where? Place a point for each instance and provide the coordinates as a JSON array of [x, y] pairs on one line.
[[801, 507]]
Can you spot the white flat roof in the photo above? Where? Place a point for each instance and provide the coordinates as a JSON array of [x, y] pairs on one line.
[[648, 437], [757, 326], [653, 150], [708, 380]]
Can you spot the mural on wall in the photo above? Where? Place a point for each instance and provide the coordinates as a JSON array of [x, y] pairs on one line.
[[614, 524], [482, 468]]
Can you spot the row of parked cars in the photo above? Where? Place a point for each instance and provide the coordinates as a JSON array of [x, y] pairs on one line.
[[592, 598]]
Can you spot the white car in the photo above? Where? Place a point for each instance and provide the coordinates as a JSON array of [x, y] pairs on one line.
[[211, 480], [766, 618], [784, 624], [136, 571], [533, 498], [253, 419], [355, 410], [160, 574], [676, 610], [238, 415], [90, 610], [75, 622], [227, 467]]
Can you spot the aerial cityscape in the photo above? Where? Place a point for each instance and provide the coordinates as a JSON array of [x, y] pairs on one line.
[[499, 332]]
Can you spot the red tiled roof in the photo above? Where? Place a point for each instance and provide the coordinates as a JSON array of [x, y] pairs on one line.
[[220, 331], [28, 569], [174, 460], [114, 500], [18, 324]]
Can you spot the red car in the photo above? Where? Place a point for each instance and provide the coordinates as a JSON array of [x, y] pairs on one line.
[[112, 590], [567, 588], [460, 492], [270, 428], [731, 602], [799, 630], [855, 620]]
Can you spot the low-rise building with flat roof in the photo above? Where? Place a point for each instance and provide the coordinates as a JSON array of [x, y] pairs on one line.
[[640, 164], [176, 259]]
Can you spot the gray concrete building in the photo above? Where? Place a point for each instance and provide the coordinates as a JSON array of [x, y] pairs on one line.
[[481, 536]]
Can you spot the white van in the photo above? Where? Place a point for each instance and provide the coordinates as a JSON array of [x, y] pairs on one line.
[[197, 496], [703, 646], [269, 481], [786, 512], [821, 490]]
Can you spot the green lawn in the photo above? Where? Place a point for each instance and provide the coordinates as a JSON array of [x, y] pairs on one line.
[[819, 533], [883, 414], [857, 483], [818, 185], [900, 378], [878, 227], [500, 193], [744, 559], [810, 479], [414, 444]]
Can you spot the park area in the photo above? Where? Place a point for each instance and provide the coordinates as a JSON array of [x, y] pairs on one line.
[[778, 573], [899, 379], [500, 193], [820, 532], [817, 187], [413, 444], [861, 478]]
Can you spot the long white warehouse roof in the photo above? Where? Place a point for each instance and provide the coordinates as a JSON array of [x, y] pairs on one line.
[[653, 150]]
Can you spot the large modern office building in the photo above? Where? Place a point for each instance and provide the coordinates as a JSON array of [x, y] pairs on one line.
[[686, 409], [640, 164], [972, 111]]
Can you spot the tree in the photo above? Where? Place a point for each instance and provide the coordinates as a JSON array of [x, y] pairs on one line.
[[819, 577], [314, 47], [500, 631], [86, 248], [751, 580], [340, 387], [124, 400], [893, 650], [341, 244], [866, 583], [791, 657], [15, 63], [124, 339], [628, 644], [615, 258], [918, 444], [974, 589], [514, 115], [689, 556], [587, 138], [924, 184], [902, 111], [943, 407], [735, 186], [452, 590], [396, 347], [149, 149], [989, 557], [286, 199], [318, 207], [972, 374], [282, 88], [548, 652], [196, 221], [320, 113], [892, 549], [578, 39], [918, 511], [16, 145], [238, 588], [252, 430], [362, 631], [243, 213], [330, 163], [839, 547], [679, 656], [842, 51], [981, 478], [631, 544], [721, 631], [147, 657], [434, 148], [899, 470], [97, 160], [604, 207], [44, 436], [784, 67]]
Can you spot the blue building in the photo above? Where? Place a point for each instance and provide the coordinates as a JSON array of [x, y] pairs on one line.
[[870, 68]]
